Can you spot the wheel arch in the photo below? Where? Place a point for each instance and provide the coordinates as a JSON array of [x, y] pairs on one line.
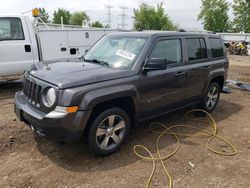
[[218, 77], [219, 80], [123, 97]]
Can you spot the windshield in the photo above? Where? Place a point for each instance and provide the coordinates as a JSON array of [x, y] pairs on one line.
[[116, 51]]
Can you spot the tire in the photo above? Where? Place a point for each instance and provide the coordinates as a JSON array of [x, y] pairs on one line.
[[211, 97], [108, 131]]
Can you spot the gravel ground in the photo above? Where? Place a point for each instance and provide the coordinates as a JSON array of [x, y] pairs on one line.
[[27, 161]]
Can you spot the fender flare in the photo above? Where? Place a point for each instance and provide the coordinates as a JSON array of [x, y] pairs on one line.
[[213, 74], [95, 97]]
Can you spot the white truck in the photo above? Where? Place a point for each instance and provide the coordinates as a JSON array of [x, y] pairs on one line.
[[23, 43]]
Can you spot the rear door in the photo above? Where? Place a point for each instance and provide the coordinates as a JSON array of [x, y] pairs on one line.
[[15, 46], [197, 66]]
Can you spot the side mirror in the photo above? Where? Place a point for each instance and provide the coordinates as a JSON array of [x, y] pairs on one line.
[[155, 64]]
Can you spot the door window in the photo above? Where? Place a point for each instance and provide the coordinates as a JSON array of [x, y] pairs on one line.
[[11, 29], [169, 49], [196, 49], [216, 47]]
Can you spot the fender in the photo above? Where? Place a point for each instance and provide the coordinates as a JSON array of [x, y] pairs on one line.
[[92, 98], [213, 74], [95, 97]]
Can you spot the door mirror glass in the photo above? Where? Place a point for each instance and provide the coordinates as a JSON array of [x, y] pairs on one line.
[[155, 64]]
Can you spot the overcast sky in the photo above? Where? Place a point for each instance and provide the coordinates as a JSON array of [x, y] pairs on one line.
[[182, 12]]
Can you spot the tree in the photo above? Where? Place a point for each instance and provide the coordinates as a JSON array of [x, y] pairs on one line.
[[241, 10], [43, 15], [214, 15], [78, 17], [97, 24], [65, 14], [151, 18]]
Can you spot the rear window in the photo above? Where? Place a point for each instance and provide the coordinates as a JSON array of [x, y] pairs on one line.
[[196, 49], [216, 47]]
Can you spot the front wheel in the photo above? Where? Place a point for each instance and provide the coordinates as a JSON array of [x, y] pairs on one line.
[[108, 131], [211, 97], [246, 52]]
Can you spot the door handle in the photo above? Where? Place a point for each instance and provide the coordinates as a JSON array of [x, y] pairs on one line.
[[27, 48], [206, 68], [180, 73]]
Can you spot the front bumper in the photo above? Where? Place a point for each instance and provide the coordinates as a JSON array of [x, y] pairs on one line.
[[63, 126]]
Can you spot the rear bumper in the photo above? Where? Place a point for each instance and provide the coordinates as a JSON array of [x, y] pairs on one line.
[[63, 126]]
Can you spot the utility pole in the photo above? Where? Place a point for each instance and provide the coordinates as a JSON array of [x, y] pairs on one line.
[[123, 16], [109, 7]]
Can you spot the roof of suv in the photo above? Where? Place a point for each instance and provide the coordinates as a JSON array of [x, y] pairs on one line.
[[162, 33]]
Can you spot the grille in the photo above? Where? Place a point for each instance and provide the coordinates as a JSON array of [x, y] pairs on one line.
[[32, 91]]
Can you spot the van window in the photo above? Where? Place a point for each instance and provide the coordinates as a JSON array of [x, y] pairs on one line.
[[216, 47], [196, 49], [169, 49], [11, 29]]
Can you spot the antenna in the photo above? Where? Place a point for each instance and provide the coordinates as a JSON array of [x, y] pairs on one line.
[[109, 7], [123, 16]]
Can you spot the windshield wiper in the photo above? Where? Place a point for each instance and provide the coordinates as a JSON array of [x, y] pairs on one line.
[[104, 63]]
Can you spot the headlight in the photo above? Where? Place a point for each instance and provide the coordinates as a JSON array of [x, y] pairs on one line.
[[49, 97]]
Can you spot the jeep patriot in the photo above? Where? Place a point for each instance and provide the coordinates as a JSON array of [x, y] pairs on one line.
[[125, 78]]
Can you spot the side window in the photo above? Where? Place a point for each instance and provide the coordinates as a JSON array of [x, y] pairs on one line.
[[11, 29], [216, 47], [169, 49], [196, 49]]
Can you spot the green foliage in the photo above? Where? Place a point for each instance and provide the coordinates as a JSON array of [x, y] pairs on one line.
[[97, 24], [43, 15], [65, 14], [214, 15], [151, 18], [106, 26], [241, 10], [78, 17]]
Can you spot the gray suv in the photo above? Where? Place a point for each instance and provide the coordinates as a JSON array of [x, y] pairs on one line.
[[125, 78]]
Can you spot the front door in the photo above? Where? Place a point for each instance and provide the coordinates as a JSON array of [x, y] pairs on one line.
[[161, 90], [15, 47]]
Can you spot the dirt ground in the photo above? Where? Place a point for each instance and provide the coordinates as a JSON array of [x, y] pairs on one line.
[[27, 161]]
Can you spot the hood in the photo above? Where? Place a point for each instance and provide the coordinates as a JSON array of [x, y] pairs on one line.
[[72, 74]]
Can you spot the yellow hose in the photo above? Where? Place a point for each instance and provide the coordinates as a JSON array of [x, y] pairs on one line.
[[168, 130]]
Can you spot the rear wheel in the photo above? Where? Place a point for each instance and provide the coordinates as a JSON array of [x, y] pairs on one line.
[[108, 131], [211, 97]]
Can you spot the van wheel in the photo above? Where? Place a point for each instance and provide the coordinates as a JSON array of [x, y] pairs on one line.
[[108, 131], [211, 97]]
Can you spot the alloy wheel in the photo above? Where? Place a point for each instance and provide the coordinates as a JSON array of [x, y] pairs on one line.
[[110, 132], [212, 97]]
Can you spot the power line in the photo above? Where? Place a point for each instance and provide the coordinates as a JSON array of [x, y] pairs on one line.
[[109, 14], [123, 16]]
